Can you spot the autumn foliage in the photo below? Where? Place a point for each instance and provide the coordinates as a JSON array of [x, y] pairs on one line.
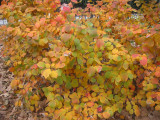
[[82, 68]]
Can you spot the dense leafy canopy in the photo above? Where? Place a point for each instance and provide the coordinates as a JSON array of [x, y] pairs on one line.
[[85, 68]]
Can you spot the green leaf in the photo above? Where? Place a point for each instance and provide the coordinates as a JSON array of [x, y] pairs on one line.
[[72, 62], [106, 68], [59, 71], [118, 78], [92, 54], [68, 85], [52, 104], [59, 80], [128, 107], [108, 30], [90, 49], [119, 58], [92, 32], [80, 61], [110, 97], [116, 97], [90, 61], [95, 88], [74, 83], [41, 65], [89, 24], [76, 42], [99, 54], [100, 80], [108, 44], [108, 74], [65, 78], [50, 96], [130, 75], [93, 80], [74, 54]]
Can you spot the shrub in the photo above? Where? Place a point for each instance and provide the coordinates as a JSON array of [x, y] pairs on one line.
[[84, 68]]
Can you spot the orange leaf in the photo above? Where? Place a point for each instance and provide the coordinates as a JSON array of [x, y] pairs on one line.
[[74, 1], [9, 29], [62, 59], [90, 104], [100, 3], [42, 21], [11, 69], [37, 25], [30, 34], [106, 115], [155, 81], [60, 65], [157, 73]]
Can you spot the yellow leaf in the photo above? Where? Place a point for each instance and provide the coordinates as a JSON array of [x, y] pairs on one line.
[[52, 65], [42, 42], [54, 74], [115, 51], [31, 108], [46, 73], [70, 115], [14, 83], [47, 65], [20, 86], [157, 107], [35, 97]]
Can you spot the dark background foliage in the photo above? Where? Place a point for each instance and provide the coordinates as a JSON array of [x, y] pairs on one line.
[[82, 3]]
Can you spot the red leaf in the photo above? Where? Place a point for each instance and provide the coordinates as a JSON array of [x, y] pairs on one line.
[[99, 109], [34, 66], [158, 97], [89, 5], [157, 63], [65, 8], [53, 5], [58, 18], [100, 43], [87, 94], [154, 95], [143, 61], [135, 55]]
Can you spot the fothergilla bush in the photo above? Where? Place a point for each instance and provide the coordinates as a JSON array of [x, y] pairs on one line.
[[86, 68]]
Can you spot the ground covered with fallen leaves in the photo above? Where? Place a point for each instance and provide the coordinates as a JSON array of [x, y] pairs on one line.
[[8, 111]]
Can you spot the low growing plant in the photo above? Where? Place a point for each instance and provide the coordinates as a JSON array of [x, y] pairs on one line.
[[80, 69]]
